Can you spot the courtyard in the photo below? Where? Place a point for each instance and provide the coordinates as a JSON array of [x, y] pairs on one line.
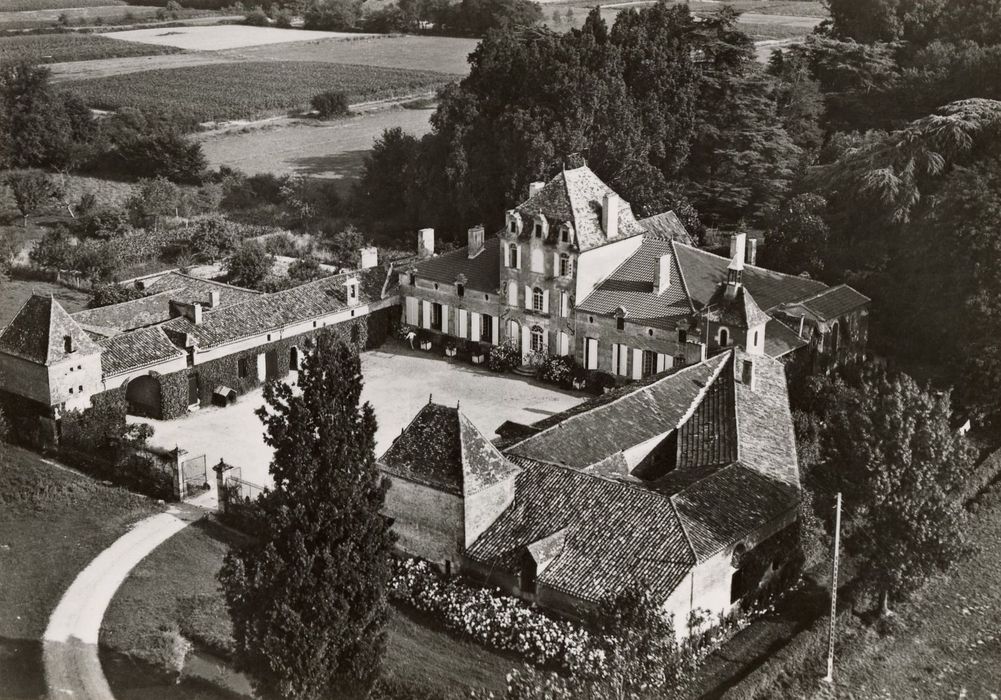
[[398, 381]]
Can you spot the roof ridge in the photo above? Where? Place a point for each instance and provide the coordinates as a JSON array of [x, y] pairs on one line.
[[207, 281], [827, 290], [755, 267], [681, 273]]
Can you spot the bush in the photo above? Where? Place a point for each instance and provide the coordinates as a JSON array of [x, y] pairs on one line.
[[505, 356], [283, 20], [213, 239], [257, 18], [111, 294], [331, 104], [559, 370]]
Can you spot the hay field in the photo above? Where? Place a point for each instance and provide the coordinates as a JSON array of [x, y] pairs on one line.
[[237, 91], [223, 36], [56, 48], [442, 54]]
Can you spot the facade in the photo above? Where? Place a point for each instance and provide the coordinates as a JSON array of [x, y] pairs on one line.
[[573, 272], [683, 483]]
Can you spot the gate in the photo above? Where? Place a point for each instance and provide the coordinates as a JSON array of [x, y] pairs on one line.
[[194, 474]]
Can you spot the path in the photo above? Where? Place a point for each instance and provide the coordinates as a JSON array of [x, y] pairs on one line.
[[70, 644]]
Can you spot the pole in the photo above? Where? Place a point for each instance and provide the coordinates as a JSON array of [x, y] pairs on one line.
[[834, 590]]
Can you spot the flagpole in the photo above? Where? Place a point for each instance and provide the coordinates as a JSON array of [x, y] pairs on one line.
[[834, 590]]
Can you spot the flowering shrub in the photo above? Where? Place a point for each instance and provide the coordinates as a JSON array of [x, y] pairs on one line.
[[496, 620], [558, 370], [504, 357]]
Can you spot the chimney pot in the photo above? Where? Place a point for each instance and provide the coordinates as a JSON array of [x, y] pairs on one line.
[[752, 251], [425, 242], [369, 257], [534, 188], [214, 298], [662, 274], [738, 243], [610, 214], [475, 240], [197, 314]]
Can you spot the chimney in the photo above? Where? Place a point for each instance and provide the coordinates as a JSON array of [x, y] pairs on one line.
[[351, 290], [534, 188], [738, 242], [475, 240], [197, 313], [369, 257], [752, 251], [747, 373], [610, 215], [425, 242], [662, 274], [214, 298]]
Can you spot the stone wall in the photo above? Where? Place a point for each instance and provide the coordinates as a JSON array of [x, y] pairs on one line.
[[428, 523]]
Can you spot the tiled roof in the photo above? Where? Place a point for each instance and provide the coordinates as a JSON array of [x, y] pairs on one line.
[[780, 339], [576, 196], [765, 440], [272, 312], [188, 289], [614, 535], [741, 311], [631, 287], [582, 438], [442, 449], [730, 503], [703, 272], [37, 331], [482, 272], [666, 226], [709, 436], [835, 302], [129, 351]]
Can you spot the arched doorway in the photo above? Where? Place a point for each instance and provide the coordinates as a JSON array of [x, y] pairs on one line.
[[724, 337], [293, 359], [143, 397]]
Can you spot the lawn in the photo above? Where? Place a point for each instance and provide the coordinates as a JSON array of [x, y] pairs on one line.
[[58, 48], [175, 587], [27, 5], [248, 90], [52, 524]]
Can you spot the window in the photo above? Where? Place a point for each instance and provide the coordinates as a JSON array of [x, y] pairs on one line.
[[512, 293], [269, 337], [487, 328], [512, 255], [191, 357], [81, 388], [724, 337], [564, 235], [564, 265], [67, 344], [460, 290], [513, 226], [737, 585], [835, 338], [435, 316], [682, 335], [413, 279], [649, 363], [529, 575], [352, 291], [538, 339], [538, 229], [241, 368], [755, 339], [71, 390], [620, 323], [538, 300], [649, 332]]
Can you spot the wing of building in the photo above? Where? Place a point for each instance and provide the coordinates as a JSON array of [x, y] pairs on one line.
[[667, 483]]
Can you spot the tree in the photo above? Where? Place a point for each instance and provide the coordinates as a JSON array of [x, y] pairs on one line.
[[890, 451], [796, 237], [113, 294], [385, 189], [333, 15], [308, 596], [212, 240], [8, 250], [305, 270], [55, 250], [31, 190], [345, 246], [249, 265], [330, 104], [152, 199], [162, 152]]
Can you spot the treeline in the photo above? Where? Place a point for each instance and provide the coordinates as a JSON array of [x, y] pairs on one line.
[[465, 18], [863, 161]]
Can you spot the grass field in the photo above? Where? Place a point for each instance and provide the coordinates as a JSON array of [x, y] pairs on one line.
[[175, 587], [106, 14], [248, 90], [27, 5], [223, 36], [58, 48], [52, 523]]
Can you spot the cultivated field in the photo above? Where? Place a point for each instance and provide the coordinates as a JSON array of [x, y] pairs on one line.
[[106, 13], [334, 151], [442, 54], [232, 91], [228, 36], [55, 48], [26, 5]]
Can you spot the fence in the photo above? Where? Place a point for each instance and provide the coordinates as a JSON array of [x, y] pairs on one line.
[[194, 474]]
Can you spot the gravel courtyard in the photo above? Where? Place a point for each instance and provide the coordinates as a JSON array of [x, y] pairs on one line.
[[398, 381]]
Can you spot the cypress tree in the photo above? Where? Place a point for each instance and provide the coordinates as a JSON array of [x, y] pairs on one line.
[[308, 596]]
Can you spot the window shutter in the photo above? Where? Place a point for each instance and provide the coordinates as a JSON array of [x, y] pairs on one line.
[[564, 305], [661, 362], [507, 254], [444, 318], [615, 357], [528, 297], [474, 326], [413, 318], [545, 301], [637, 363], [545, 342], [592, 352], [564, 344], [517, 257], [495, 336], [556, 264], [461, 330], [425, 314]]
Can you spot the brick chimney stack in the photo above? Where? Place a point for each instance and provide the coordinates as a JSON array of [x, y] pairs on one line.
[[425, 242], [534, 188], [610, 214], [369, 257], [476, 234], [662, 274], [752, 251]]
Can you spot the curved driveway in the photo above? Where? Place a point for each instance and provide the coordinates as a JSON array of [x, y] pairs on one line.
[[72, 667]]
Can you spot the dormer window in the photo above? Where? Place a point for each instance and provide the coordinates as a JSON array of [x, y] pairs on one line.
[[620, 323], [513, 226], [538, 230], [352, 292], [564, 235], [460, 289], [413, 279], [67, 344]]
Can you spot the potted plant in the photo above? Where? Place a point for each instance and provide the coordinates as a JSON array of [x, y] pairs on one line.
[[478, 355], [424, 340], [450, 349]]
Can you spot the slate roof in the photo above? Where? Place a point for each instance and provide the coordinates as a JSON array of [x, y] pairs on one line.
[[580, 439], [36, 333], [188, 289], [741, 311], [442, 449], [614, 535], [703, 272], [666, 226], [482, 272], [576, 195], [631, 287], [834, 302], [780, 339], [139, 348]]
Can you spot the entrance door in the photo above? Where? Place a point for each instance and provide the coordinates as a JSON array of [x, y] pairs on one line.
[[271, 365], [293, 359], [193, 390]]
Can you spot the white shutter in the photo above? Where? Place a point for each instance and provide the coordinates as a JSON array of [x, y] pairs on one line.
[[528, 297], [564, 348], [507, 254], [261, 367], [425, 314], [637, 363], [444, 318], [412, 315], [556, 264], [526, 342], [474, 326], [517, 257], [512, 293], [662, 362], [545, 301], [496, 330], [615, 357], [591, 345], [564, 305], [545, 342]]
